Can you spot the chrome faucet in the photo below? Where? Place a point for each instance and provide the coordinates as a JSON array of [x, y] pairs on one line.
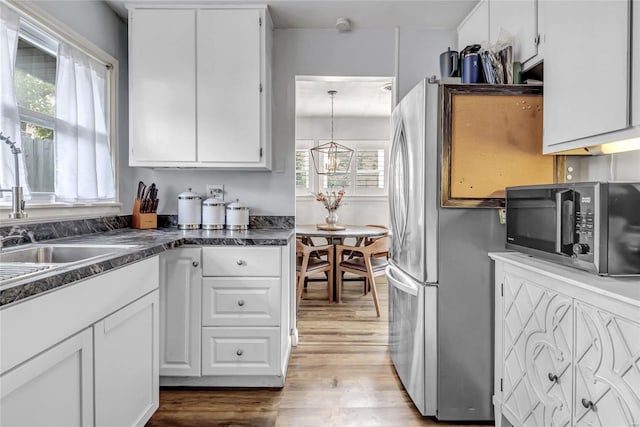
[[17, 198]]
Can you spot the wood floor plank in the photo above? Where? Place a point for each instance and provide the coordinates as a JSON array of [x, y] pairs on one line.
[[340, 375]]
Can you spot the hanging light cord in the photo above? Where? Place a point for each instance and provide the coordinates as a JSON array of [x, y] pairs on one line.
[[333, 94]]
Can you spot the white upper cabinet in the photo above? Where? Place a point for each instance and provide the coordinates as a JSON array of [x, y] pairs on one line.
[[474, 29], [587, 73], [200, 85], [520, 20], [162, 79]]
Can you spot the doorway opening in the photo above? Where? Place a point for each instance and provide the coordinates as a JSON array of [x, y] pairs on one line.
[[354, 112]]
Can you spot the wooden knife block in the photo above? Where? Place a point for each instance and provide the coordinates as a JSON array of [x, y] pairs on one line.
[[143, 220]]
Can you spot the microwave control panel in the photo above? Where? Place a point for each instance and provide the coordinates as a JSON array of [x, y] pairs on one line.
[[585, 223]]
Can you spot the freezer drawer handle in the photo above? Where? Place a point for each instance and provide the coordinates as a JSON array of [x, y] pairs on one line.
[[405, 286]]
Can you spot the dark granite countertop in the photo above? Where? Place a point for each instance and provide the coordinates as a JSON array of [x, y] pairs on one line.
[[145, 243]]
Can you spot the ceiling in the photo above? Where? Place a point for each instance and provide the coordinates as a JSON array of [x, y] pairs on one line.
[[361, 13], [357, 97]]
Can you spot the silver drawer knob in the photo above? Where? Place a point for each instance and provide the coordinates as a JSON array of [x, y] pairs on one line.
[[241, 262], [195, 263], [240, 352], [241, 302]]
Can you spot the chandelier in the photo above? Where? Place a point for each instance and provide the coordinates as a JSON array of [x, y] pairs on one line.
[[331, 158]]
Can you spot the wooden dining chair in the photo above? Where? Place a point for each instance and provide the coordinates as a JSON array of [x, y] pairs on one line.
[[362, 261], [371, 239], [311, 260]]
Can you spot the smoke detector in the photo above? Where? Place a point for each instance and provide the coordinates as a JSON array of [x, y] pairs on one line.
[[343, 24]]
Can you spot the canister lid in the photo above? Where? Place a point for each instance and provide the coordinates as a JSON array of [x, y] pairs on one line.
[[237, 205], [189, 195], [213, 202]]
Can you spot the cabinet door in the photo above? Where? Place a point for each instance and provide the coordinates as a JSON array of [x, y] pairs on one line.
[[586, 70], [180, 307], [53, 388], [519, 19], [537, 341], [475, 27], [126, 364], [230, 60], [162, 82], [607, 369]]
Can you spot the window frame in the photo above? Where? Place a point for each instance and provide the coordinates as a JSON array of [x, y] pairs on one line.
[[44, 207], [316, 181]]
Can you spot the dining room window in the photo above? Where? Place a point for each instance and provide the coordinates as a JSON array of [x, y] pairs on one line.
[[366, 177]]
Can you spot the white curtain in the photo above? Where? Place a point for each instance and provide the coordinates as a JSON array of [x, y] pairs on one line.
[[84, 169], [9, 114]]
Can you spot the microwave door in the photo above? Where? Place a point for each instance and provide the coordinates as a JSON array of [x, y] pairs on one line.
[[565, 222]]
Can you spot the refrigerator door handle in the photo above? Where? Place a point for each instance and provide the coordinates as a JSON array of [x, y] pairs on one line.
[[398, 196], [404, 282]]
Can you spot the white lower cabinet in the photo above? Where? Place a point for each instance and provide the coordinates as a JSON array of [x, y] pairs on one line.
[[85, 354], [126, 364], [567, 346], [180, 306], [244, 330], [53, 388]]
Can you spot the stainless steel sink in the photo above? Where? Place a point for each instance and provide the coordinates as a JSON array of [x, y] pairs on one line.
[[56, 254], [24, 262]]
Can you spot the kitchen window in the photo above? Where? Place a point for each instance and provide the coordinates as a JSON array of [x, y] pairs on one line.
[[58, 105], [366, 177]]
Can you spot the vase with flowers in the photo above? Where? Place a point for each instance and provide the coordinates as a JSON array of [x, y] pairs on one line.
[[331, 201]]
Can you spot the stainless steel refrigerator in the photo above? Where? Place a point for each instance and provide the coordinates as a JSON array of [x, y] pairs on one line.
[[440, 277]]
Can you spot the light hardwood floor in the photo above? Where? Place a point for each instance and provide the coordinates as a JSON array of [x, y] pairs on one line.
[[340, 374]]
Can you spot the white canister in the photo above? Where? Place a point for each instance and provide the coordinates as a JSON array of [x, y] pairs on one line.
[[189, 210], [237, 216], [213, 214]]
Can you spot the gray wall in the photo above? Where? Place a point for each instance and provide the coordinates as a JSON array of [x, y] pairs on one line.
[[295, 52]]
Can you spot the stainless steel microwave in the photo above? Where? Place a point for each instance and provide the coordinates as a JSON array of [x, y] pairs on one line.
[[594, 226]]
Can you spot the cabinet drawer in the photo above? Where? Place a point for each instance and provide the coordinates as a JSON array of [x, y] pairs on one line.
[[241, 301], [241, 261], [240, 351]]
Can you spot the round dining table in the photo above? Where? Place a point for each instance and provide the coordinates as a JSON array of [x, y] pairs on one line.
[[336, 237]]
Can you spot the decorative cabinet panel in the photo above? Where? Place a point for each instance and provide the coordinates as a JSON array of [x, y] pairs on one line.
[[567, 346], [200, 87], [180, 308], [607, 368], [537, 338]]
